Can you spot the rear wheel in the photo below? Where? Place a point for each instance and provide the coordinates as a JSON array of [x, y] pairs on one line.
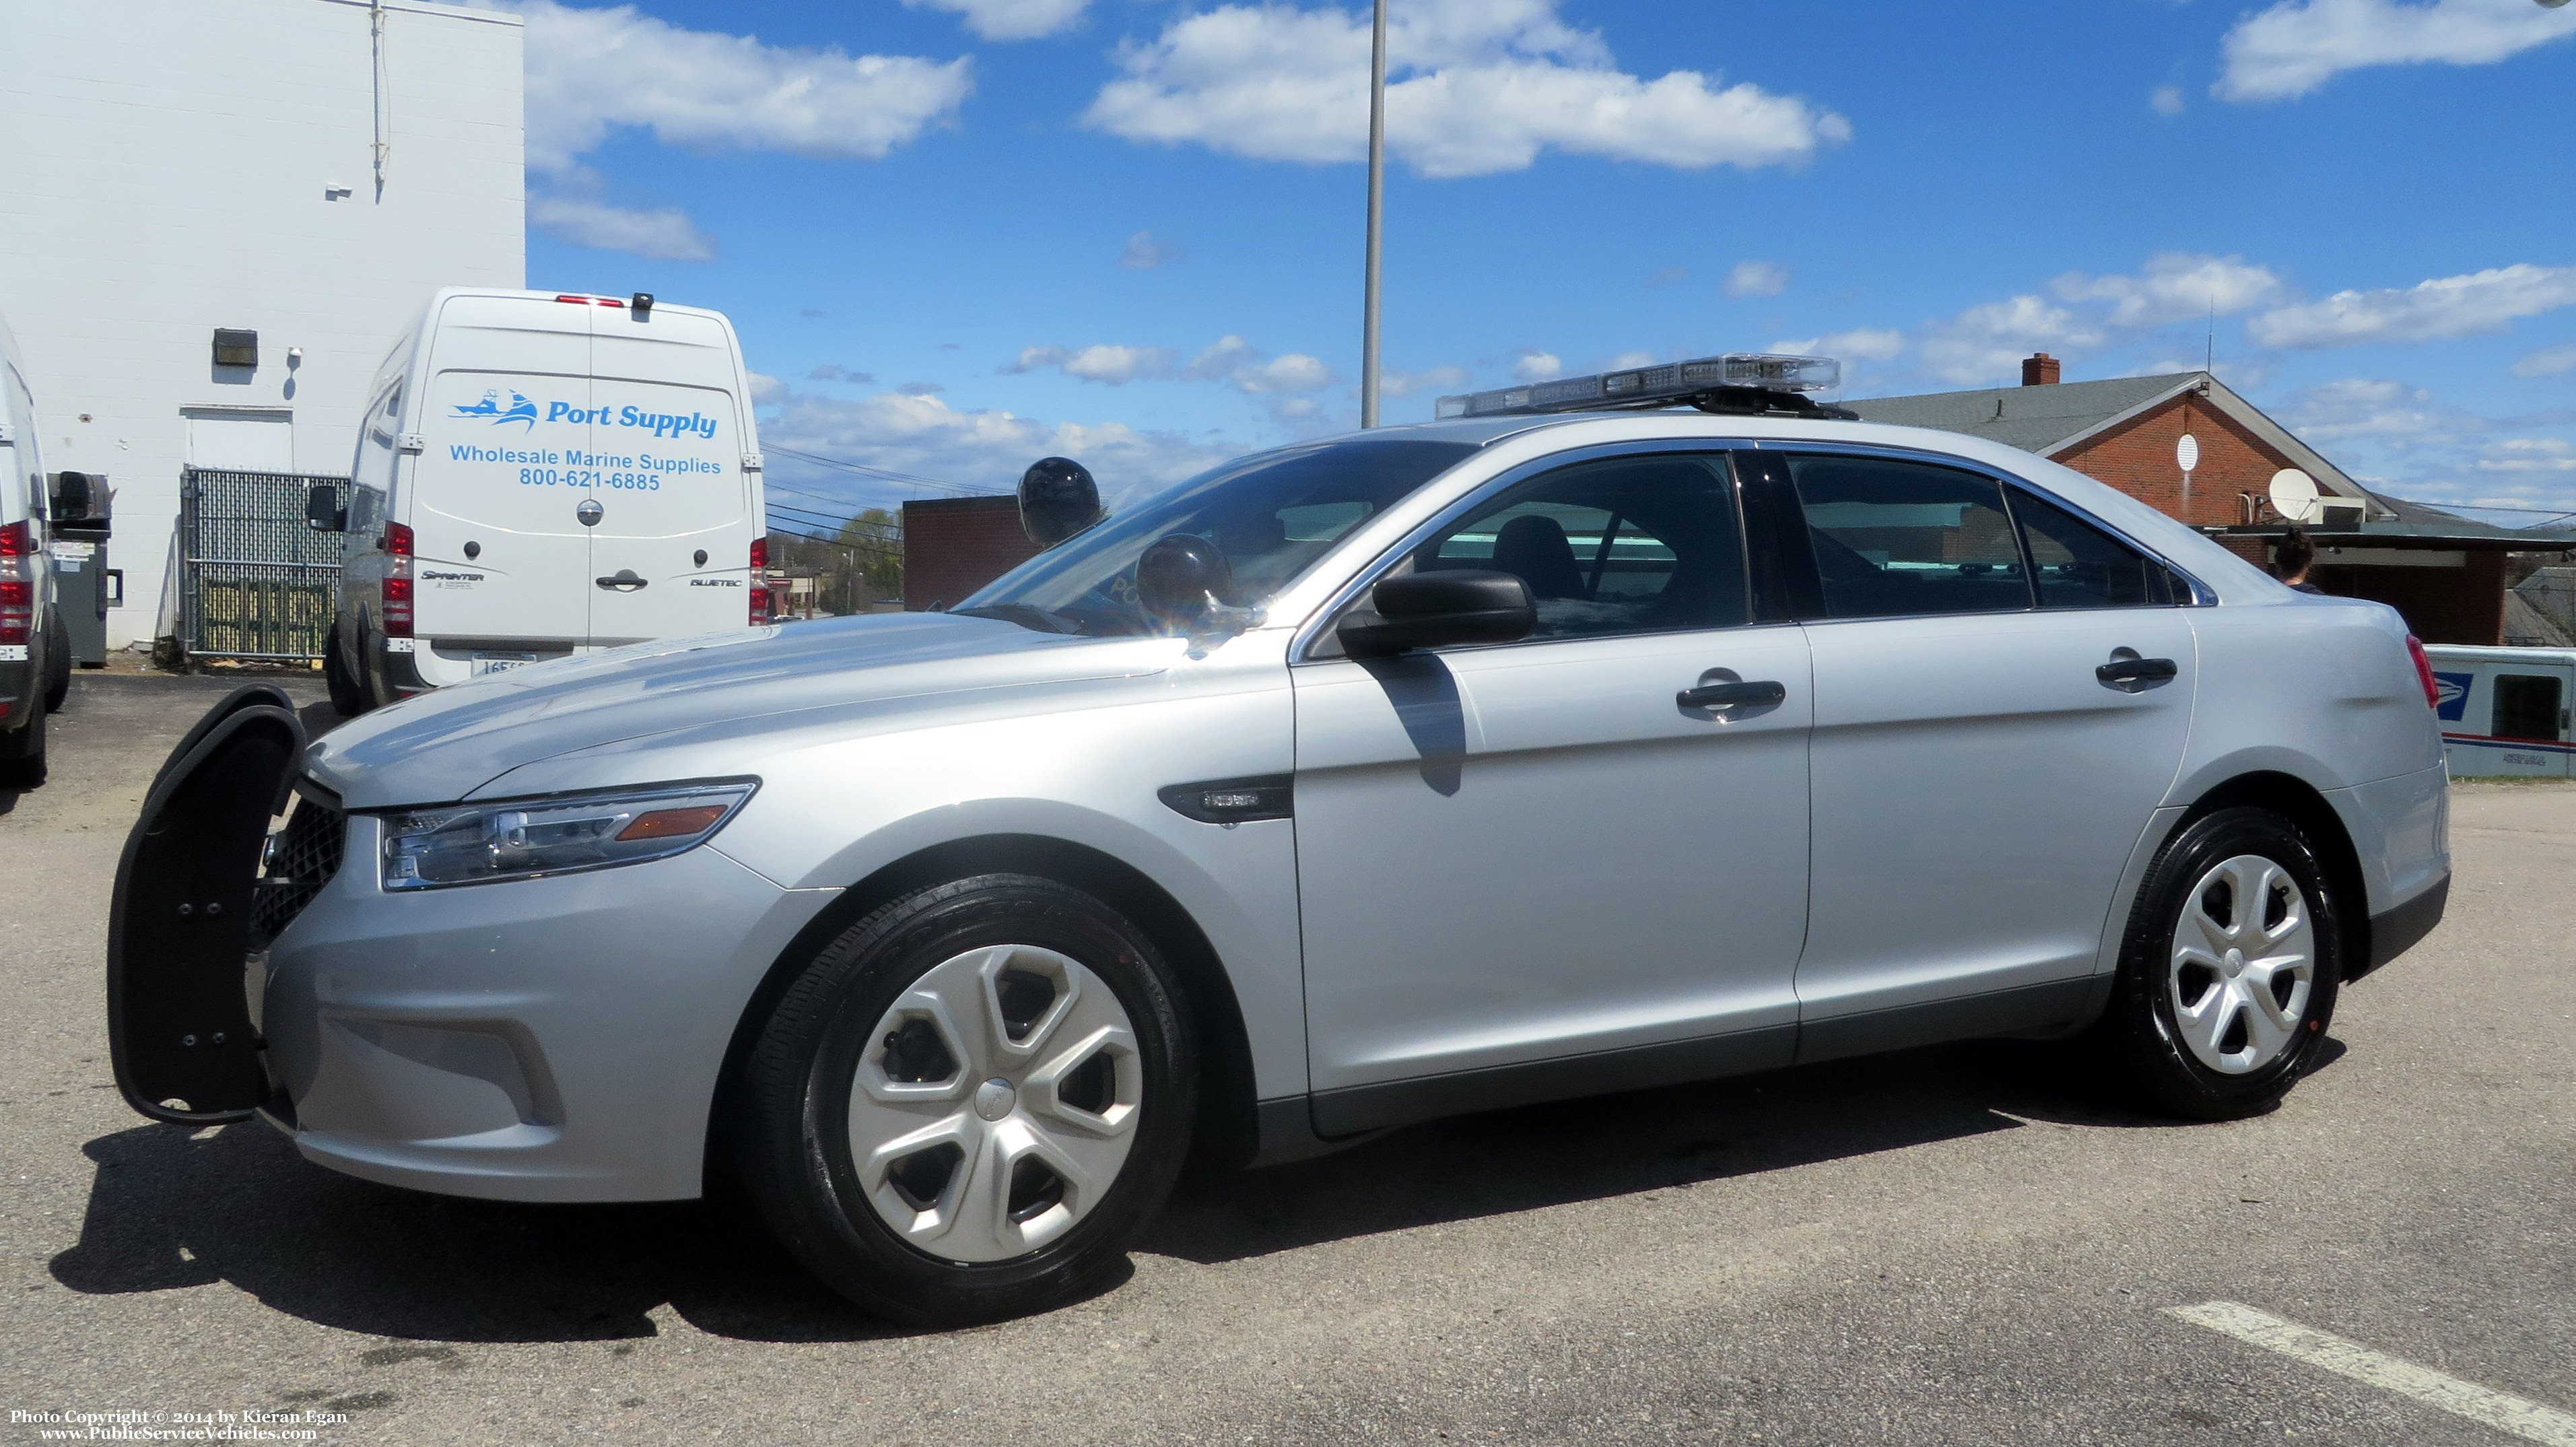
[[58, 663], [2229, 970], [345, 698], [22, 751], [970, 1102]]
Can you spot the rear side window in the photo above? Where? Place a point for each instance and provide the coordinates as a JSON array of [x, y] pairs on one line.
[[2526, 706], [1897, 539], [2077, 565]]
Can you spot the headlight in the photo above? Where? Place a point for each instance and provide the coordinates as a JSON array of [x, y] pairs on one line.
[[524, 838]]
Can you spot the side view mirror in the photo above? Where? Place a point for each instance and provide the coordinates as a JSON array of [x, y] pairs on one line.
[[1057, 500], [324, 511], [1434, 610], [70, 502], [1178, 576]]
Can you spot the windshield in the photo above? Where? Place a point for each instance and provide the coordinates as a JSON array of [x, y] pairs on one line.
[[1273, 514]]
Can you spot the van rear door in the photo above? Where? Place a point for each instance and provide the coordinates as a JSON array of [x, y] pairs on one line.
[[501, 556], [671, 554]]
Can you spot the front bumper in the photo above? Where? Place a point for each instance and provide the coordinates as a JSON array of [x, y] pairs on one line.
[[541, 1040]]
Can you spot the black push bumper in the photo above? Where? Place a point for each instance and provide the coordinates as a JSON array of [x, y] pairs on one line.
[[178, 936]]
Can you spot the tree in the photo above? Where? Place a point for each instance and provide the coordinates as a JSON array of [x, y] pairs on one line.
[[876, 538]]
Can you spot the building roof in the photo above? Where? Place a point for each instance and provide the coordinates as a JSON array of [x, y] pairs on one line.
[[2034, 419], [2053, 417]]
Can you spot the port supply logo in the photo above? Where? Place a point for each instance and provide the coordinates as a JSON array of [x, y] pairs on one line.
[[526, 413], [520, 410]]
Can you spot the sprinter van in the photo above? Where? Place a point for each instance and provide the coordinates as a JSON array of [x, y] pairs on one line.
[[35, 659], [2504, 710], [541, 475]]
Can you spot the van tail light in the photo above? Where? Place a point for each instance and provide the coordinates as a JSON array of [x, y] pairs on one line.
[[17, 583], [760, 580], [396, 612], [2424, 672]]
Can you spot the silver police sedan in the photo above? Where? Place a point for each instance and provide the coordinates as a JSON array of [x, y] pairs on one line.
[[1566, 747]]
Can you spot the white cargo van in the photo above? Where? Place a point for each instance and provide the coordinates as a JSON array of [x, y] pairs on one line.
[[2504, 710], [543, 474], [35, 658]]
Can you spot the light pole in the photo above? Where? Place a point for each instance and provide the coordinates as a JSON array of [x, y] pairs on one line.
[[1376, 201]]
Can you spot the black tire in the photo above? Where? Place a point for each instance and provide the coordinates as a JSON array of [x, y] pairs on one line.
[[22, 753], [345, 698], [792, 1132], [2142, 1032], [58, 663]]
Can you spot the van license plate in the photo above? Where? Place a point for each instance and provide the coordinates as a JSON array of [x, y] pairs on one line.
[[494, 662]]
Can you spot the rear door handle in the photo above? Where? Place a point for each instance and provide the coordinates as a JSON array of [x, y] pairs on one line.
[[1720, 696], [2129, 673], [626, 579]]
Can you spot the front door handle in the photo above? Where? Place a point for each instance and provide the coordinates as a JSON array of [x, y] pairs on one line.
[[626, 580], [2129, 673], [1718, 697]]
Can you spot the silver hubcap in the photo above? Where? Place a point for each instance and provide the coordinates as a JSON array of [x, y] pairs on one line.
[[996, 1103], [2244, 965]]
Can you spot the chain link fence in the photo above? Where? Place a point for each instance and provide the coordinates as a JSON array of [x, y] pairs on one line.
[[255, 584]]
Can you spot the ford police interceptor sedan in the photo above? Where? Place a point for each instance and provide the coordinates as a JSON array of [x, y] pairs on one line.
[[1560, 747]]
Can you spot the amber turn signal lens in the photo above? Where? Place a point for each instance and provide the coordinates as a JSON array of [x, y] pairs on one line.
[[672, 823]]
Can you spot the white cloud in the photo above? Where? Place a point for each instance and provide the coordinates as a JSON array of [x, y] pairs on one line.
[[1861, 344], [1256, 373], [1537, 367], [2297, 45], [1474, 87], [766, 389], [592, 71], [1010, 19], [1115, 365], [1396, 384], [2550, 363], [1757, 278], [925, 436], [2528, 454], [2165, 100], [1146, 251], [1626, 360], [663, 233], [2362, 407], [1986, 342], [2174, 286], [2447, 306]]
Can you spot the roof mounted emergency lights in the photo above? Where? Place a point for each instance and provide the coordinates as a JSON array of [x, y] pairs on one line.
[[1745, 383]]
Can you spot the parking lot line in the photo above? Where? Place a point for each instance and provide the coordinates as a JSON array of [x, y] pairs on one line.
[[2501, 1410]]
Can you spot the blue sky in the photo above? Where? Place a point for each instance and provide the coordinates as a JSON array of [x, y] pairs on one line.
[[959, 234]]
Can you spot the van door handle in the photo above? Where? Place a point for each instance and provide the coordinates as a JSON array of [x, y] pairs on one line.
[[627, 580], [1718, 697], [2129, 673]]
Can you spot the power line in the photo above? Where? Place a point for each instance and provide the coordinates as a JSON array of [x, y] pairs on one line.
[[864, 470]]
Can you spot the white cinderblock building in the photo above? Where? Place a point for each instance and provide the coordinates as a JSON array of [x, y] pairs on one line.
[[304, 169]]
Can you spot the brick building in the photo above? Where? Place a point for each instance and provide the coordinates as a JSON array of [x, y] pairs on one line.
[[955, 545], [2443, 572]]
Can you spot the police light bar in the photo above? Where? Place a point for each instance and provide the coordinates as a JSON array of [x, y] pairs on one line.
[[1670, 384]]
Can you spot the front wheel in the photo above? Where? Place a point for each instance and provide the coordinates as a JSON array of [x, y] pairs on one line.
[[969, 1103], [2228, 973]]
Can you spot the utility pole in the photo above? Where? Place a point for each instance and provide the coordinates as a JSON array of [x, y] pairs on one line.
[[1376, 203]]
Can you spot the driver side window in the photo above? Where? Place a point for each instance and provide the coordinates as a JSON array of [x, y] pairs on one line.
[[1623, 545]]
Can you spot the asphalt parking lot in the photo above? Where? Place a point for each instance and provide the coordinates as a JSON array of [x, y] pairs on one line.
[[1959, 1245]]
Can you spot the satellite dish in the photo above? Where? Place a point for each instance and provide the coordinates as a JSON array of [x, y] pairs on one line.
[[2187, 452], [2294, 496]]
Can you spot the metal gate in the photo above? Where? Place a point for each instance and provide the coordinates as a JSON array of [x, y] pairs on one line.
[[255, 583]]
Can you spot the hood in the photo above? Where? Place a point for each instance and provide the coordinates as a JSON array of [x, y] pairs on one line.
[[442, 745]]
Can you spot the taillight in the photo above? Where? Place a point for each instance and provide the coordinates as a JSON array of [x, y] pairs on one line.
[[395, 614], [2424, 672], [17, 584], [760, 580]]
